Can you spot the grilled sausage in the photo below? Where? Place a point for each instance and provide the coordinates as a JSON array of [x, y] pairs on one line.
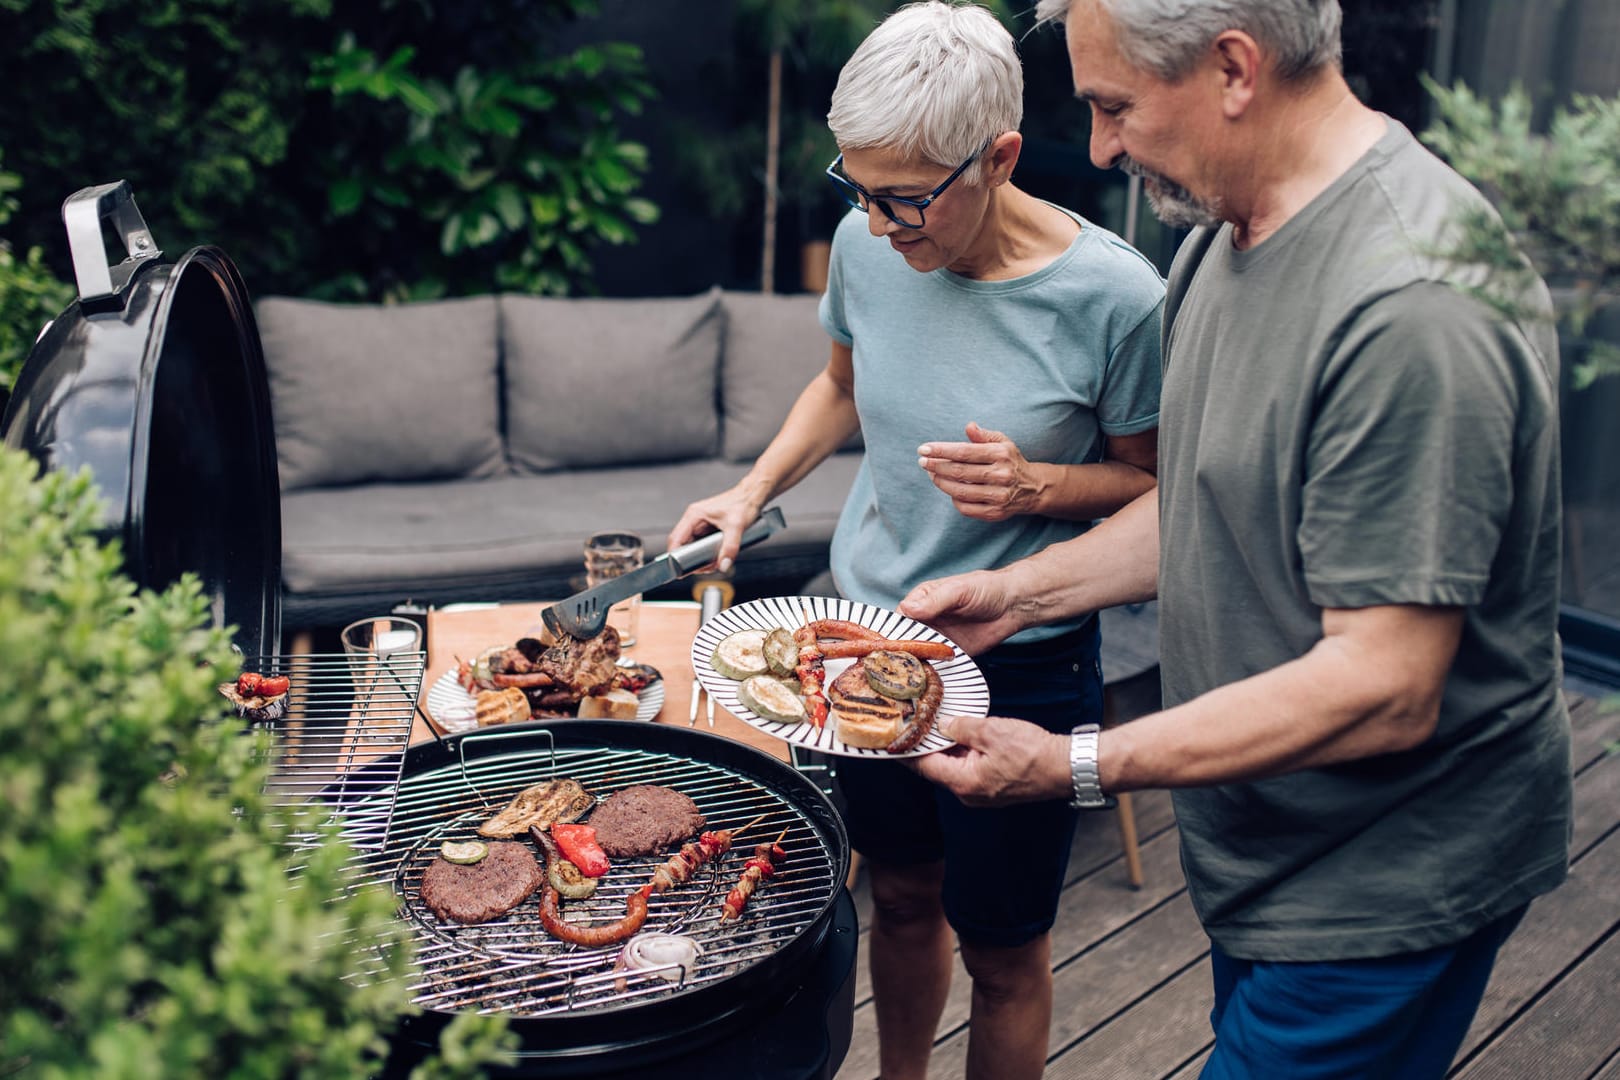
[[612, 933], [921, 721], [922, 650], [522, 682], [843, 630]]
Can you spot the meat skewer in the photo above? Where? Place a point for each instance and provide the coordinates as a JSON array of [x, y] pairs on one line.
[[811, 672], [760, 867], [680, 867]]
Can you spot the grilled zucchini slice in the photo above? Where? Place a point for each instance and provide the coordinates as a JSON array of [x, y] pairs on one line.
[[741, 655], [769, 699], [895, 674], [781, 652]]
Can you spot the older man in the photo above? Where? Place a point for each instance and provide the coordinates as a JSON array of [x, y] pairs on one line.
[[1354, 543]]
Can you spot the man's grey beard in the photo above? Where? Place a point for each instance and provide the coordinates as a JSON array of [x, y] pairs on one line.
[[1173, 204]]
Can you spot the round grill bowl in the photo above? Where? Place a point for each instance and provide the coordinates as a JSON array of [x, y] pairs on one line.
[[606, 755]]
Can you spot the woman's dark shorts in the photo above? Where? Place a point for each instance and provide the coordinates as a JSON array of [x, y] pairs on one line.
[[1004, 867]]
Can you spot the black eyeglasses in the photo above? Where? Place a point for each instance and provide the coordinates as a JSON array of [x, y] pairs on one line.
[[860, 198]]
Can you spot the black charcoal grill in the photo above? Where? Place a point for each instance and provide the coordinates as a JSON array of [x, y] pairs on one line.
[[155, 380], [782, 973]]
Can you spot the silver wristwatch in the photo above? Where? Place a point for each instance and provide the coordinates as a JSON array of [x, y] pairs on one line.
[[1088, 792]]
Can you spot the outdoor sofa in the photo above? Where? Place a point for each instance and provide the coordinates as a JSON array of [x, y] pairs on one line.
[[462, 450]]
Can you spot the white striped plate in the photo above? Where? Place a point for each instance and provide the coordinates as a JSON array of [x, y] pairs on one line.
[[965, 691]]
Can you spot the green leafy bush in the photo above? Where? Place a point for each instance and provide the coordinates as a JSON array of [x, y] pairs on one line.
[[149, 922], [30, 295], [351, 149], [1558, 193]]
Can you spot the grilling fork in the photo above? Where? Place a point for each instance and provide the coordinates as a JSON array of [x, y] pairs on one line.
[[712, 597]]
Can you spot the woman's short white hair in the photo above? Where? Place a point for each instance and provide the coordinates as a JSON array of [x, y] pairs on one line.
[[1167, 37], [935, 81]]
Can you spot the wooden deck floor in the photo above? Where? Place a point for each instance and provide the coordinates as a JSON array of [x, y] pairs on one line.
[[1131, 967]]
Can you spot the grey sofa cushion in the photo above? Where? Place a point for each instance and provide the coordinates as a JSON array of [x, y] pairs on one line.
[[366, 392], [421, 537], [774, 346], [592, 382]]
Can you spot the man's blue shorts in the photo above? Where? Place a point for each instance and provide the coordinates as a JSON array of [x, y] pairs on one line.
[[1004, 867], [1394, 1018]]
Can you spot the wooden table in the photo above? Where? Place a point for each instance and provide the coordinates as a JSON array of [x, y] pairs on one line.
[[664, 641]]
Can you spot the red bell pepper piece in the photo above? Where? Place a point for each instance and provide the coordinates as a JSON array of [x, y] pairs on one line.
[[578, 845]]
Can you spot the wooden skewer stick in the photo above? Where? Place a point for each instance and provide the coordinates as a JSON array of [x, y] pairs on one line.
[[750, 825], [781, 834]]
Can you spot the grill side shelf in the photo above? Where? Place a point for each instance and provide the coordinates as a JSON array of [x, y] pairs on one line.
[[336, 756]]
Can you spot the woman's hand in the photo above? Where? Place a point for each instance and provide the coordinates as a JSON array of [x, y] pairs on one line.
[[987, 477], [730, 512]]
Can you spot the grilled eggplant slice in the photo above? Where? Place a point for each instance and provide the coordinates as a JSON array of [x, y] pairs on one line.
[[543, 805]]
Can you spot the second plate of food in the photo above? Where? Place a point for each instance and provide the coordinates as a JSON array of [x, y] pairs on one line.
[[965, 691]]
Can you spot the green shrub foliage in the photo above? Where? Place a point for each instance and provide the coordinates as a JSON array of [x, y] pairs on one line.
[[1558, 193], [351, 149], [30, 295], [150, 924]]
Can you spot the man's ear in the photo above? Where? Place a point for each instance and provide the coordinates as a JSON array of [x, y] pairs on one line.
[[1002, 157], [1237, 64]]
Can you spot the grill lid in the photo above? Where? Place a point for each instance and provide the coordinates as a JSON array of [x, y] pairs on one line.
[[154, 379]]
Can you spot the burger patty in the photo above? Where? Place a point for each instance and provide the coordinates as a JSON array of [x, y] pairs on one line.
[[643, 819], [486, 889]]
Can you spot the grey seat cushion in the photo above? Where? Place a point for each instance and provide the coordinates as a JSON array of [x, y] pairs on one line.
[[596, 382], [422, 536], [774, 346], [375, 392]]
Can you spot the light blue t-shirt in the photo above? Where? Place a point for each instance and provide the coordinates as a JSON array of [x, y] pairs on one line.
[[1055, 360]]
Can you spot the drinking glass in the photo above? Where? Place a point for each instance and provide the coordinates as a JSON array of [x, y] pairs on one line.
[[607, 555], [372, 646]]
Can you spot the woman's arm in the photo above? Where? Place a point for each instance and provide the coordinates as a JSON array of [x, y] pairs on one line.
[[989, 479]]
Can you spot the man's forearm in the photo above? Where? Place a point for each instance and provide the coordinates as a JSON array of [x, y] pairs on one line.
[[1353, 695], [1115, 563]]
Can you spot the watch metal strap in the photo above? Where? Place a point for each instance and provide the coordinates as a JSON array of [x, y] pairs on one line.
[[1088, 792]]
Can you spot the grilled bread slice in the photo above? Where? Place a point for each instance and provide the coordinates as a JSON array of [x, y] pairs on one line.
[[864, 717], [507, 706]]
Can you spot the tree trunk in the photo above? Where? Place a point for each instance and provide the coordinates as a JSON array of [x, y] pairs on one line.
[[773, 149]]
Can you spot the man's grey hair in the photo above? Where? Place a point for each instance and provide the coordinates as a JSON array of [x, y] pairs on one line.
[[1167, 37], [935, 81]]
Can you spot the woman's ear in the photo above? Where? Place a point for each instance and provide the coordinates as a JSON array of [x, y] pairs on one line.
[[1001, 157]]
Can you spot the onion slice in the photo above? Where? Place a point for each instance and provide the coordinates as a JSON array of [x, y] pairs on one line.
[[650, 950]]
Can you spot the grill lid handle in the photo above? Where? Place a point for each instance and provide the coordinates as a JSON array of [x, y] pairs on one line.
[[101, 285]]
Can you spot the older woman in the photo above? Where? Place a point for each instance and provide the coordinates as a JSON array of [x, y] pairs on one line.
[[958, 303]]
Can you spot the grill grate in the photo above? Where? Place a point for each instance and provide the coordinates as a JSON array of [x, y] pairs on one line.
[[512, 965], [337, 754]]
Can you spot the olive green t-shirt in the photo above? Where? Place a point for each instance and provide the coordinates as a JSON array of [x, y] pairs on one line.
[[1342, 427]]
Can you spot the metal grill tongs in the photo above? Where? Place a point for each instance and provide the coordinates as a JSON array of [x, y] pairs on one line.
[[712, 595]]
